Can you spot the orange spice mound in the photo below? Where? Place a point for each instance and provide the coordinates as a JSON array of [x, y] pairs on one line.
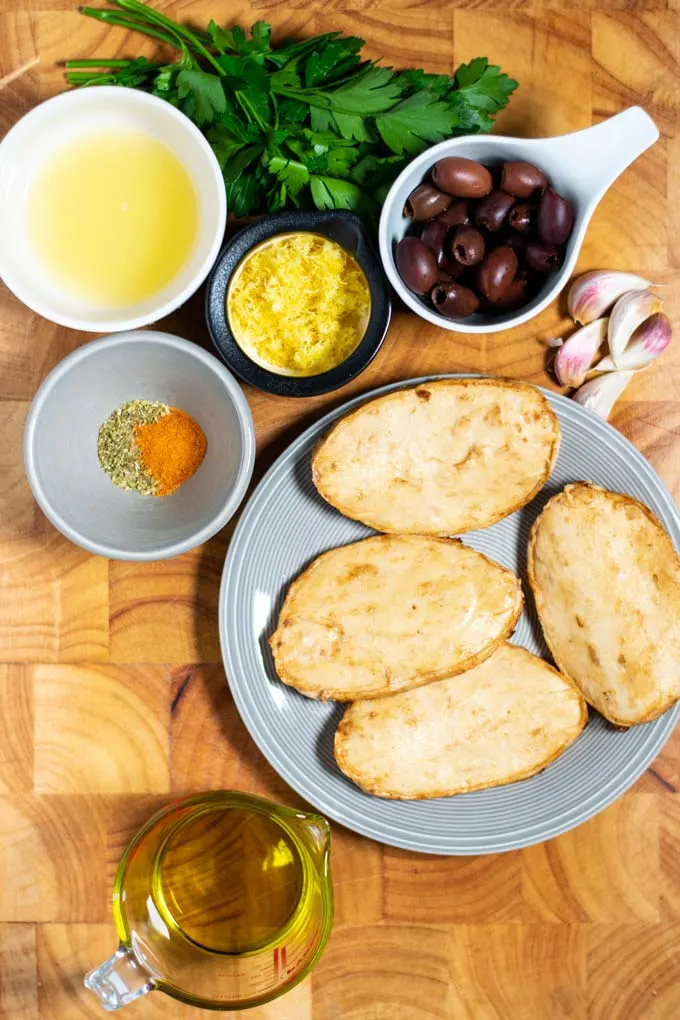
[[171, 449]]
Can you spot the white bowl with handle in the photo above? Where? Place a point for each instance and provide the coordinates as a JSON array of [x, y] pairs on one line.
[[70, 116], [580, 166]]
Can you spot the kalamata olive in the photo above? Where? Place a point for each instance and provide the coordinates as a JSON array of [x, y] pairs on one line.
[[454, 300], [496, 272], [555, 218], [522, 216], [515, 241], [416, 265], [463, 178], [426, 201], [433, 237], [493, 210], [451, 267], [543, 258], [456, 213], [467, 245], [522, 179], [514, 296]]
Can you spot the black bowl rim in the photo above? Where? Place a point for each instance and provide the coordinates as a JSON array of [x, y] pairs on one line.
[[232, 255]]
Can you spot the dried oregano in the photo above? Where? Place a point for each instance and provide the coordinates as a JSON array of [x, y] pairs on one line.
[[118, 454]]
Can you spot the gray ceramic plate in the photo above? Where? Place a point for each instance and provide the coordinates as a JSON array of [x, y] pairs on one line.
[[286, 524]]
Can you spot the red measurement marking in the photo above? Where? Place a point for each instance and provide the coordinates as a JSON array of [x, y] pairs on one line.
[[284, 958], [276, 964]]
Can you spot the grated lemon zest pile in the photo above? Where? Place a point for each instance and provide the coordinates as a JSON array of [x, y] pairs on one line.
[[301, 303]]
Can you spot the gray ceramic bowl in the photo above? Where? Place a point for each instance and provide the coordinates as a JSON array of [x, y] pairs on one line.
[[60, 445]]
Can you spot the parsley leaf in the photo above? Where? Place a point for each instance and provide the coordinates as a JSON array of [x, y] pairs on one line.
[[413, 80], [205, 91], [261, 34], [331, 60], [353, 127], [372, 91], [223, 144], [332, 193], [222, 41], [246, 70], [293, 112], [235, 40], [241, 161], [412, 124], [484, 85], [372, 171], [306, 122], [243, 196], [291, 173]]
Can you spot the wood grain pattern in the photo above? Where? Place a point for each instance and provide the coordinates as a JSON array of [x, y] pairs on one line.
[[112, 693]]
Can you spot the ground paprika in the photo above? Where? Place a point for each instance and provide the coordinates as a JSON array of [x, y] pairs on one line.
[[171, 449]]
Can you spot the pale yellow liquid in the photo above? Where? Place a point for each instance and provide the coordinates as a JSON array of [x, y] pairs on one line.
[[113, 216]]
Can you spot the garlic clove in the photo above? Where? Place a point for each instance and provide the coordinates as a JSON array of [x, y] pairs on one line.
[[629, 312], [647, 342], [594, 293], [599, 395], [553, 341], [577, 353]]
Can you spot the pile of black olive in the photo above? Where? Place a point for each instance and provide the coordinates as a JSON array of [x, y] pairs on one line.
[[484, 238]]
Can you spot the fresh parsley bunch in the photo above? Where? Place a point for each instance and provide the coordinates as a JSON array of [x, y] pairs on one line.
[[304, 124]]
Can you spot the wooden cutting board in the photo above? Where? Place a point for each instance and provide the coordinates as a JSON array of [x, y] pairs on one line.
[[112, 694]]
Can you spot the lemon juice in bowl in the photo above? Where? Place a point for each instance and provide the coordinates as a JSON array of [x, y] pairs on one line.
[[113, 208], [113, 216]]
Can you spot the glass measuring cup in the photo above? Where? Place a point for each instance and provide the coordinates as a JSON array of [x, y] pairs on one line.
[[223, 901]]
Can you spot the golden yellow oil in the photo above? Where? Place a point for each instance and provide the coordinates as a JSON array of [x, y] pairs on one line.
[[113, 216], [229, 880]]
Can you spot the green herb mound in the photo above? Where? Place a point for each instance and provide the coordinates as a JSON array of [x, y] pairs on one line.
[[303, 124]]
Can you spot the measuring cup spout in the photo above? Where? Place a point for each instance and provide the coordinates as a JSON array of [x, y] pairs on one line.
[[119, 981], [318, 833]]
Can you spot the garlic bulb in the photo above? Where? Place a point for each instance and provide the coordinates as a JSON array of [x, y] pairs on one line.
[[594, 293]]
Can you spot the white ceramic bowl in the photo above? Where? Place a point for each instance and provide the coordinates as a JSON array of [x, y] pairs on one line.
[[581, 166], [60, 445], [49, 126]]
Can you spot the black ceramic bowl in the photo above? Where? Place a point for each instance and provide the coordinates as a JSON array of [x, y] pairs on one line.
[[346, 229]]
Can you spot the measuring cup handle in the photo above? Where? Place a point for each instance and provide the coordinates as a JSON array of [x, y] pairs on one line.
[[120, 980]]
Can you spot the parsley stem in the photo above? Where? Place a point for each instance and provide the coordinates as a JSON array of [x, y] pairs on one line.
[[172, 27], [247, 107], [145, 12], [113, 18], [239, 99], [97, 63], [88, 78]]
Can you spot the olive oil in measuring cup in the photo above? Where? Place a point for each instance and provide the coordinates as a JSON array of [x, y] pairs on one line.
[[222, 901]]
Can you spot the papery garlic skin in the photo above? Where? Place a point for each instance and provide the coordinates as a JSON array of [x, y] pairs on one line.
[[594, 293], [599, 395], [577, 353], [649, 341], [629, 312]]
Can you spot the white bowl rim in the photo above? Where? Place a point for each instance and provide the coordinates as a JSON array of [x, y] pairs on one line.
[[245, 469], [132, 96]]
